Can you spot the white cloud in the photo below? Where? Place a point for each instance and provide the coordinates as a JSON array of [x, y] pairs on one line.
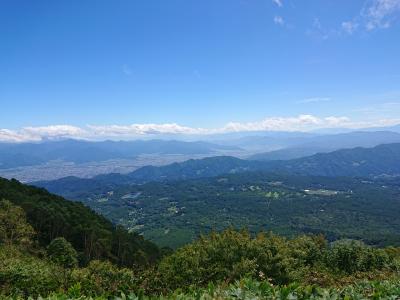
[[7, 135], [303, 122], [35, 134], [349, 27], [380, 13], [278, 2], [54, 131], [279, 20], [315, 100], [376, 14], [143, 129]]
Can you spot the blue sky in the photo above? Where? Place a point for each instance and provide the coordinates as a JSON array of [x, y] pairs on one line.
[[138, 67]]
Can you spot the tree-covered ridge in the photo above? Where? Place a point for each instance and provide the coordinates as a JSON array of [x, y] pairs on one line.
[[361, 162], [175, 213], [380, 161], [92, 235]]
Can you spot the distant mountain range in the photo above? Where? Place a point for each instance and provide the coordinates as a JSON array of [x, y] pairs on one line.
[[271, 146], [28, 154], [296, 148], [380, 161]]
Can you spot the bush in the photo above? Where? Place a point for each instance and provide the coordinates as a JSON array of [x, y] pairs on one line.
[[227, 256], [103, 278], [349, 257], [26, 275]]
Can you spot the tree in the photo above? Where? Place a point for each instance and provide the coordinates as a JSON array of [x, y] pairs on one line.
[[14, 229], [61, 252]]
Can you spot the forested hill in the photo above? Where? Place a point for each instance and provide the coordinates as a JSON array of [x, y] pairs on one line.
[[382, 160], [357, 162], [190, 169], [92, 235]]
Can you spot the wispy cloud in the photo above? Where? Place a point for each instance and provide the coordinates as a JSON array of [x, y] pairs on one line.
[[349, 27], [315, 100], [279, 20], [375, 14], [380, 13], [303, 122], [278, 2], [320, 32]]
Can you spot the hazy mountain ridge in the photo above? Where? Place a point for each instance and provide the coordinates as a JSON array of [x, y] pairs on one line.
[[328, 143], [361, 162], [78, 151]]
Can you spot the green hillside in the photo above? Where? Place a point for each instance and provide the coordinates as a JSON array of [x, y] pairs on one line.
[[92, 235]]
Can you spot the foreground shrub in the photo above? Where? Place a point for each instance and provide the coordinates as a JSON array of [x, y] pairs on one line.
[[247, 289], [26, 275], [354, 256], [103, 278], [227, 256], [231, 255]]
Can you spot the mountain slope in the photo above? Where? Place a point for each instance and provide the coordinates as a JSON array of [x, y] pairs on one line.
[[91, 234], [329, 143], [382, 160]]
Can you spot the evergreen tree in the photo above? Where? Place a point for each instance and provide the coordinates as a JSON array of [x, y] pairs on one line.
[[62, 253]]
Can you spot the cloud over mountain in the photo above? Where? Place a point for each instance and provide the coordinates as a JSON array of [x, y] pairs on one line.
[[305, 122]]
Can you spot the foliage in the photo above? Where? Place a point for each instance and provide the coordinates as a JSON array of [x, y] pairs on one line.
[[213, 266], [14, 228], [93, 236], [247, 289], [231, 255], [103, 278], [27, 275], [176, 213], [352, 256], [61, 252]]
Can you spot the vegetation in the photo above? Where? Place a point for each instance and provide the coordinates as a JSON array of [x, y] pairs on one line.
[[93, 236], [230, 264], [175, 213]]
